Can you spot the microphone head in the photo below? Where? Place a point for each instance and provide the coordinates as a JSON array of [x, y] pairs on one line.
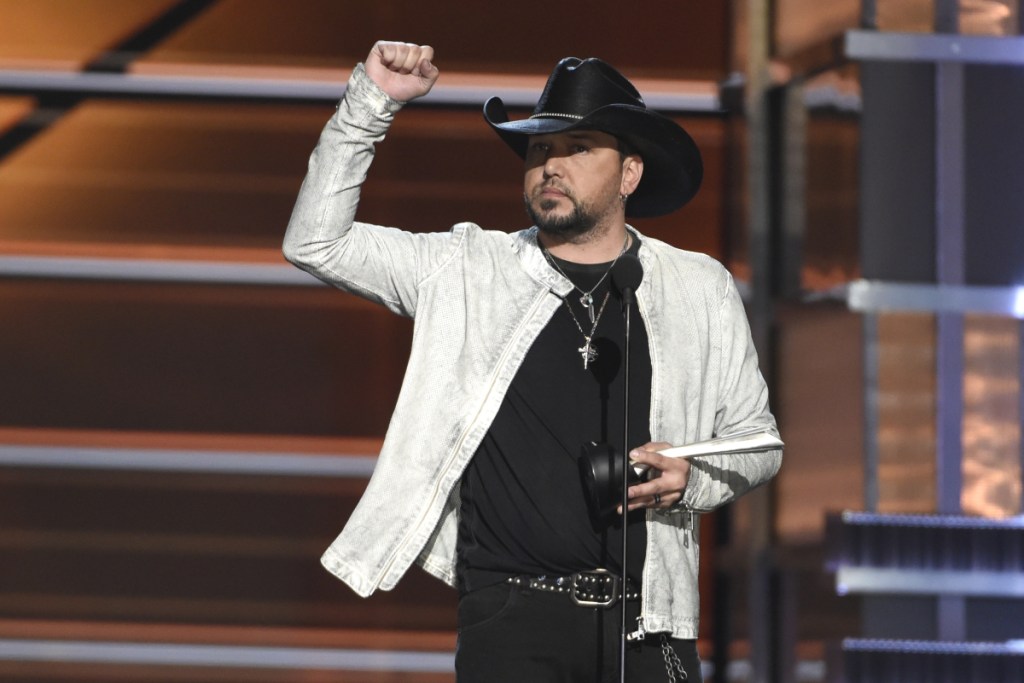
[[627, 273]]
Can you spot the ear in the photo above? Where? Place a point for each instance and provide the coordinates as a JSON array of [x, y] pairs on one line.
[[632, 172]]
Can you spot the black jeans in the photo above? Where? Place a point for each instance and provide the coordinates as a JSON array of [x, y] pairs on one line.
[[514, 634]]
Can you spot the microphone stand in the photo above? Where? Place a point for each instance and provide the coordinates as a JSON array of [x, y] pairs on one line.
[[627, 305], [626, 275]]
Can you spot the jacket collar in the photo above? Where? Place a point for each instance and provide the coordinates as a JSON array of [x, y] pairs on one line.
[[530, 255]]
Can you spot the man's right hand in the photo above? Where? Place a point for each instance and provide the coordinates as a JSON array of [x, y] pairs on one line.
[[402, 70]]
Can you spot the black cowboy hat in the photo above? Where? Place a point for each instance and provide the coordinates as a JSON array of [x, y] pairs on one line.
[[590, 94]]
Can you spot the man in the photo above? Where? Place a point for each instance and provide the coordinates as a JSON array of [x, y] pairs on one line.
[[516, 364]]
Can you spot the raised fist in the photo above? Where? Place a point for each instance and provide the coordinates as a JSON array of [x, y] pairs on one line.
[[402, 70]]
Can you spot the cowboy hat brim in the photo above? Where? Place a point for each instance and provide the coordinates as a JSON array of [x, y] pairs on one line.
[[673, 169]]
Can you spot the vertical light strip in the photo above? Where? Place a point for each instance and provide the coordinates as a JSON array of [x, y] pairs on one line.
[[764, 650], [949, 219], [871, 408], [949, 223], [1018, 303]]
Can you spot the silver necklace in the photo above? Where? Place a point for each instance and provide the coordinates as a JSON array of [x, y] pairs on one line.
[[588, 352], [586, 298]]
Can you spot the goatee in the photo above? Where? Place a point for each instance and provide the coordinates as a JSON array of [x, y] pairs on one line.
[[577, 222]]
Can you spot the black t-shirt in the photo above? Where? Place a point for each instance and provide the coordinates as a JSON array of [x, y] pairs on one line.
[[523, 506]]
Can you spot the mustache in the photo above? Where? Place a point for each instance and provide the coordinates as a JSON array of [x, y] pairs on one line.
[[551, 185]]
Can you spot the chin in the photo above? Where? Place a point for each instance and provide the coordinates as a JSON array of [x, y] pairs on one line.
[[563, 230], [549, 207]]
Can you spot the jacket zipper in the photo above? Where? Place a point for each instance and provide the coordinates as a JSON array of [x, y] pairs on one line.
[[640, 628]]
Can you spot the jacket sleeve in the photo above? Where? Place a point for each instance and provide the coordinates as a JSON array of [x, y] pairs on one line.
[[742, 404], [381, 264]]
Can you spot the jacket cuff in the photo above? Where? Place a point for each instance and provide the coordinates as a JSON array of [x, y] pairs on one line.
[[366, 103]]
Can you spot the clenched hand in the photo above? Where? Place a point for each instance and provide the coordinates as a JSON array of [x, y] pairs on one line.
[[402, 70]]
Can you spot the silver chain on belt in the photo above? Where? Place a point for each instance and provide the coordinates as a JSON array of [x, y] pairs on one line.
[[672, 663]]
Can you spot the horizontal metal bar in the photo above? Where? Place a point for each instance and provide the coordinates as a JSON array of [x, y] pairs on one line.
[[132, 84], [194, 461], [742, 671], [155, 270], [926, 582], [934, 47], [828, 96], [883, 520], [174, 270], [231, 656], [1013, 648], [289, 658], [701, 98], [876, 296]]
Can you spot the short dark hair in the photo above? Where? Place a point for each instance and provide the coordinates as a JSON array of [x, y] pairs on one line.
[[625, 149]]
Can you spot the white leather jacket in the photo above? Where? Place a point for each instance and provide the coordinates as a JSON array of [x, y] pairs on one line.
[[479, 298]]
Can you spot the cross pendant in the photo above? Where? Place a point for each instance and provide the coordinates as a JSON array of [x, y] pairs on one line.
[[588, 303], [588, 353]]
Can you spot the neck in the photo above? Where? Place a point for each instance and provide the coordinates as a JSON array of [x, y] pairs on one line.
[[588, 248]]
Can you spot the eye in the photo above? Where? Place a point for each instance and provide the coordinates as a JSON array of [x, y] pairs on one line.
[[580, 149], [538, 147]]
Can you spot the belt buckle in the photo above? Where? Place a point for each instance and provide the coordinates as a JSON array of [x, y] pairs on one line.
[[596, 588]]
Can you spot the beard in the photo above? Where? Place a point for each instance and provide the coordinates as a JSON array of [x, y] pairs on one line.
[[579, 221]]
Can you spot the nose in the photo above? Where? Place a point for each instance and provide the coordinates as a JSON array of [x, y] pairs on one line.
[[552, 165]]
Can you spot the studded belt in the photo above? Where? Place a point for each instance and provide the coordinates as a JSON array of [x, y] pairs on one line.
[[596, 588]]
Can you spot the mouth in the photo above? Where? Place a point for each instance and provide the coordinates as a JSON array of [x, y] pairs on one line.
[[551, 192]]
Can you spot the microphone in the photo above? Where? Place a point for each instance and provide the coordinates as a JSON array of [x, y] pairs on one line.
[[627, 274]]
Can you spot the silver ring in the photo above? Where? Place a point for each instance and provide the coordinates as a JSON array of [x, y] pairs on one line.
[[657, 498]]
